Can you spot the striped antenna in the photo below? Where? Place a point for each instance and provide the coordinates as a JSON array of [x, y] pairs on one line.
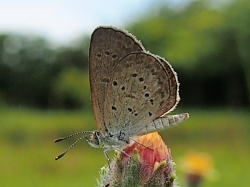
[[69, 136], [72, 145]]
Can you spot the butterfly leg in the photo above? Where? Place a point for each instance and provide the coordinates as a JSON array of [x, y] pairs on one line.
[[107, 156]]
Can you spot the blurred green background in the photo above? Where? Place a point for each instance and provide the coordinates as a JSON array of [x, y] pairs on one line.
[[44, 94]]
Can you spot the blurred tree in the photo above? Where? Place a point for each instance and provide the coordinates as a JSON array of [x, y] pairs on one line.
[[71, 89], [25, 69], [29, 65], [238, 24], [75, 55]]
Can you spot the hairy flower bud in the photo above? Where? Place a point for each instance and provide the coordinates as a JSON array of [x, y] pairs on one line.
[[149, 164]]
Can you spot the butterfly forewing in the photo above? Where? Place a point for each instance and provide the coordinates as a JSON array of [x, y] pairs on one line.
[[140, 91], [107, 46]]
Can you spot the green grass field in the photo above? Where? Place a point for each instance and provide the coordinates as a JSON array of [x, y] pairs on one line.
[[27, 148]]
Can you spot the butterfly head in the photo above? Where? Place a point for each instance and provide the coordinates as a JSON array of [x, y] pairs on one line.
[[94, 139]]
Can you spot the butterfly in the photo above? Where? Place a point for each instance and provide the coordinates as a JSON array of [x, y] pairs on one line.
[[131, 91]]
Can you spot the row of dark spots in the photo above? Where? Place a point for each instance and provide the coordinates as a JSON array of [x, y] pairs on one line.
[[133, 112], [129, 109], [140, 79], [135, 75], [114, 56], [107, 53], [115, 83]]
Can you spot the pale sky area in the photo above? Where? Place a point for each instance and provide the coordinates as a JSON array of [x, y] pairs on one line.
[[65, 20]]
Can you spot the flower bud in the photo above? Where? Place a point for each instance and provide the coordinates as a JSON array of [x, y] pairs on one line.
[[146, 162]]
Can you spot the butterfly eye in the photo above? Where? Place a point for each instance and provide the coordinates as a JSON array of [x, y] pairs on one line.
[[96, 137]]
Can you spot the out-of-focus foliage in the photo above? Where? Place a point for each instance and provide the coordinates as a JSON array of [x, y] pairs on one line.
[[238, 25], [30, 67], [208, 47], [26, 69], [71, 88]]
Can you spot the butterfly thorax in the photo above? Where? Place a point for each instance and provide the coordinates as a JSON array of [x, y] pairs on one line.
[[107, 140]]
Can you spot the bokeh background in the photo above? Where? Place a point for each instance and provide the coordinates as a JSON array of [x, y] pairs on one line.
[[44, 86]]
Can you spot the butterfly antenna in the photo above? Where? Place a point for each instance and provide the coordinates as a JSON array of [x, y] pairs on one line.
[[72, 145], [69, 136]]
